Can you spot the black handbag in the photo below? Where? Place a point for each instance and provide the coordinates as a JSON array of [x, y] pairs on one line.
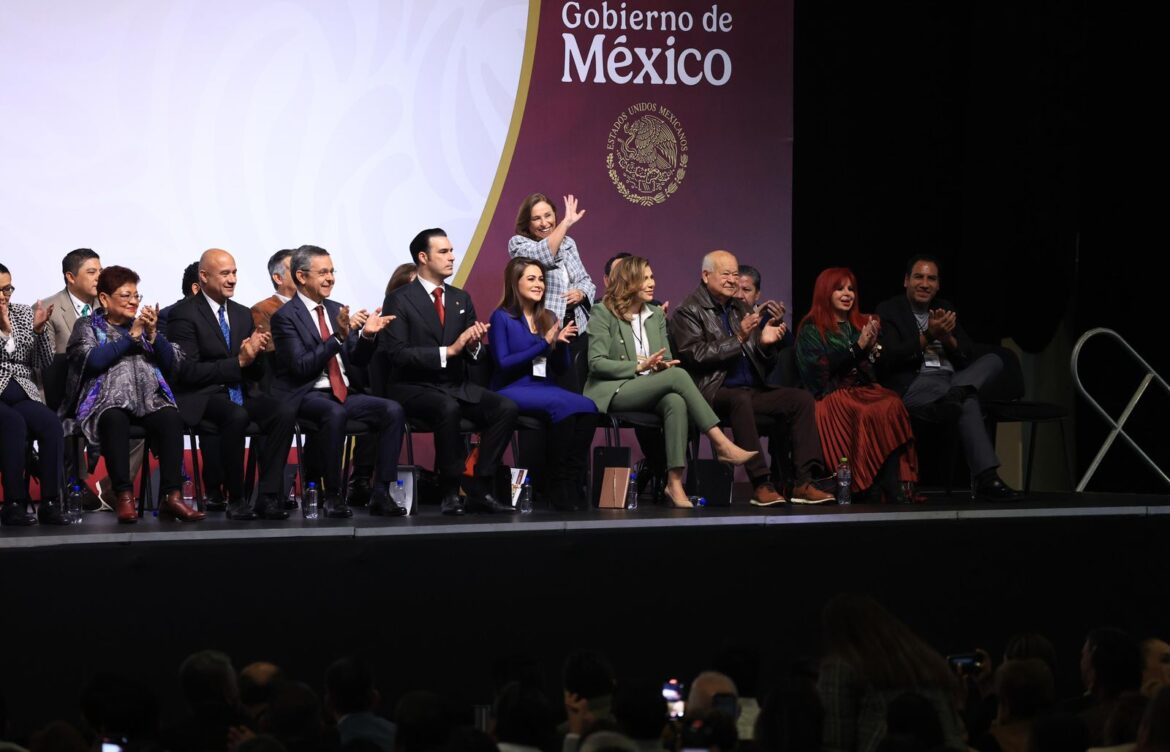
[[712, 480]]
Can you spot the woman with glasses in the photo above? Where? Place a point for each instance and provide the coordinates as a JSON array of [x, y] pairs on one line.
[[118, 368], [26, 345]]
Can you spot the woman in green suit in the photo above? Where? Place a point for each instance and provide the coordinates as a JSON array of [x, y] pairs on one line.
[[630, 368]]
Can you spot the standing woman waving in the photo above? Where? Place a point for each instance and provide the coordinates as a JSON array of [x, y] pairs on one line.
[[540, 236]]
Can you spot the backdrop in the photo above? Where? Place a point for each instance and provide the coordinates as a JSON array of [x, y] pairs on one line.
[[151, 131]]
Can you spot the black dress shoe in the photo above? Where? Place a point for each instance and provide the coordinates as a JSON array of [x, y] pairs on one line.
[[52, 513], [358, 494], [452, 505], [16, 514], [337, 509], [488, 504], [215, 503], [994, 489], [271, 507], [241, 511], [381, 505]]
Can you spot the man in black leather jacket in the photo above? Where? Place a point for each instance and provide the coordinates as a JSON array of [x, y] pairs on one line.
[[729, 350]]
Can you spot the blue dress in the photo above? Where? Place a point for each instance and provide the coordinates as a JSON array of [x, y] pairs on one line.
[[513, 350]]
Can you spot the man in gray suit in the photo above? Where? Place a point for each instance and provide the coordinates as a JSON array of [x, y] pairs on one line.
[[80, 268]]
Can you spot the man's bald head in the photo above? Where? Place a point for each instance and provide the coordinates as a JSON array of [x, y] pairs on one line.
[[721, 275], [706, 686], [217, 274]]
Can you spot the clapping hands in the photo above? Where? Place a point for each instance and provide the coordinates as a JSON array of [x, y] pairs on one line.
[[656, 362], [869, 333], [41, 314]]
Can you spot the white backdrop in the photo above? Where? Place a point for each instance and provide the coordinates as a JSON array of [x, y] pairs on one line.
[[150, 130]]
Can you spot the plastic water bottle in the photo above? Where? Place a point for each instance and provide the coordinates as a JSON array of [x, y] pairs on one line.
[[844, 482], [73, 504], [309, 506], [524, 504], [188, 489], [632, 491], [398, 494]]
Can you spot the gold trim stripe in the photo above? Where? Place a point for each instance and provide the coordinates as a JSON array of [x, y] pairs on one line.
[[493, 199]]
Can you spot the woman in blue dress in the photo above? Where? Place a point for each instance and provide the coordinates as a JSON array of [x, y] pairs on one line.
[[531, 349]]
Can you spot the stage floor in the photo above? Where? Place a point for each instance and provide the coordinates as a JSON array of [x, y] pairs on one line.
[[99, 528]]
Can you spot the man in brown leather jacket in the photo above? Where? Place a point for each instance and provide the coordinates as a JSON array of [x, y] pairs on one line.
[[728, 350]]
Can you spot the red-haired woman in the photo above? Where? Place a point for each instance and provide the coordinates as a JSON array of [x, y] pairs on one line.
[[836, 347]]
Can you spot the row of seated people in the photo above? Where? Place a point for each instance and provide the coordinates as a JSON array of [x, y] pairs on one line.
[[124, 371]]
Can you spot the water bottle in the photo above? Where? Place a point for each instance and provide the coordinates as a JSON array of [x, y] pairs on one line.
[[73, 504], [309, 507], [524, 503], [632, 491], [188, 489], [844, 482], [398, 494]]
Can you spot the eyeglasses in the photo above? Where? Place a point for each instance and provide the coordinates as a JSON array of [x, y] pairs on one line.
[[7, 290], [128, 296]]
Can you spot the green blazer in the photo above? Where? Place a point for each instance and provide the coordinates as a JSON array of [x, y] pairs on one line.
[[612, 358]]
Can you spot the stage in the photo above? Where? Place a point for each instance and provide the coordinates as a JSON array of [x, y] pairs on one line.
[[438, 602], [100, 528]]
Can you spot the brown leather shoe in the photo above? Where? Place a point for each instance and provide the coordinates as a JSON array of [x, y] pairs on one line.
[[766, 495], [174, 508], [125, 507], [810, 494]]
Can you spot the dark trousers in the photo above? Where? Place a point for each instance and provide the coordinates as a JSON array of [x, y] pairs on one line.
[[796, 407], [568, 448], [165, 430], [494, 416], [226, 451], [384, 417], [21, 417]]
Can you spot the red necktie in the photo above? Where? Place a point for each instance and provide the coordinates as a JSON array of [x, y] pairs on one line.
[[439, 309], [336, 384]]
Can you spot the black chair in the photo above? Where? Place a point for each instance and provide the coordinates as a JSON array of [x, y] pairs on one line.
[[353, 430], [207, 428], [53, 378], [1003, 403]]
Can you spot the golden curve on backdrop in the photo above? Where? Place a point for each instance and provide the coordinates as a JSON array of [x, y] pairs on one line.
[[493, 199]]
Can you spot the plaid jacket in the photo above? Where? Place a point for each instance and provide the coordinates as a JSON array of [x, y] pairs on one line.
[[567, 260]]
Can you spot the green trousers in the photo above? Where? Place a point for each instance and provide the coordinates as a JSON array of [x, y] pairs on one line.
[[673, 395]]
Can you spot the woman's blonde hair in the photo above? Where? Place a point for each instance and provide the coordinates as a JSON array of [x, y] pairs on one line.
[[624, 285]]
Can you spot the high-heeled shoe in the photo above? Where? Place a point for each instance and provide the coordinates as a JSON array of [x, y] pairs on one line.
[[125, 507], [174, 508], [733, 454], [674, 503]]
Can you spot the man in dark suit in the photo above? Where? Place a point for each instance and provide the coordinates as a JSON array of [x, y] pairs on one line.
[[929, 360], [214, 493], [318, 346], [428, 349], [217, 383]]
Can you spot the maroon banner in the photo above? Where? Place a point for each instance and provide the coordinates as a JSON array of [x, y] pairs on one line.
[[672, 124]]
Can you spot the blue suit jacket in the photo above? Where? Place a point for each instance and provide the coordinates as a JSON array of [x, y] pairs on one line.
[[301, 354]]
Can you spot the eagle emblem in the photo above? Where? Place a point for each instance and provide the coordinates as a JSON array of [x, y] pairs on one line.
[[647, 154]]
